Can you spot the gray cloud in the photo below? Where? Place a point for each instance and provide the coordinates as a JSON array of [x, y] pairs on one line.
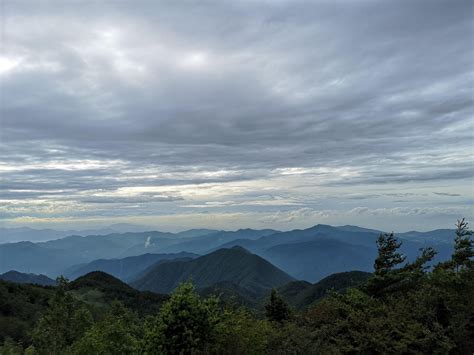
[[117, 98]]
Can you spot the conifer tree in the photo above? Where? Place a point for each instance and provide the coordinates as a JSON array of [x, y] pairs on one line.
[[463, 246], [277, 310], [388, 255]]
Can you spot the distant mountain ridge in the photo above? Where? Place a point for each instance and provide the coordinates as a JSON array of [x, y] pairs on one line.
[[310, 254], [23, 278]]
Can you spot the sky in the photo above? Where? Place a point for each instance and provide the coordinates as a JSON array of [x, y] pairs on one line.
[[235, 114]]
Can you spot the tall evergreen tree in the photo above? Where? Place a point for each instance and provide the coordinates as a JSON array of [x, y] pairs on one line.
[[277, 310], [388, 255], [463, 246]]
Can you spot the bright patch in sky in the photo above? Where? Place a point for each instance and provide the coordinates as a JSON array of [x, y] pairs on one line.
[[7, 64], [193, 60]]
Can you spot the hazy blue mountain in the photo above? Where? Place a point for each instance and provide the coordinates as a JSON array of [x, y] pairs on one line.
[[10, 235], [32, 258], [350, 228], [316, 252], [437, 236], [300, 294], [206, 243], [347, 248], [114, 245], [124, 269], [192, 233], [250, 272], [23, 278], [314, 260]]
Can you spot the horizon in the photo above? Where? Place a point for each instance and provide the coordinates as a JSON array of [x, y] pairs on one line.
[[136, 228], [218, 115]]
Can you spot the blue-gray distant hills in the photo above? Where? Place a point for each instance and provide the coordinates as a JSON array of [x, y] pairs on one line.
[[23, 278], [124, 269], [55, 256], [308, 254]]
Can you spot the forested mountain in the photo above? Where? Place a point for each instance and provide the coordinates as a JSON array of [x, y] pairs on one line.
[[22, 278], [101, 289], [125, 269], [301, 294], [235, 265]]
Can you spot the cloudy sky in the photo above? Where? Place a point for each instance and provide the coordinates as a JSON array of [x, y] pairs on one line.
[[231, 114]]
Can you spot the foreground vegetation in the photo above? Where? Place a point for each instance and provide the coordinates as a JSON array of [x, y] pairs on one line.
[[403, 308]]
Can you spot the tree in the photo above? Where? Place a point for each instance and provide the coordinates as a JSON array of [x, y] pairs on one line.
[[277, 310], [185, 324], [388, 257], [10, 347], [463, 246], [62, 324], [117, 333]]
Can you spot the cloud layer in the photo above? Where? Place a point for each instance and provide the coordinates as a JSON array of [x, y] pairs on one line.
[[239, 113]]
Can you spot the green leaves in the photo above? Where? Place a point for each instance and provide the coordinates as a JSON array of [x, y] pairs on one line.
[[186, 323]]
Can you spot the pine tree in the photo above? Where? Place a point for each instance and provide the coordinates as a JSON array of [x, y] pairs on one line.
[[463, 246], [388, 257], [386, 277], [277, 310]]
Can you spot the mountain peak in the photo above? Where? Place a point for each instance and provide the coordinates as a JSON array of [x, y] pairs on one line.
[[236, 264]]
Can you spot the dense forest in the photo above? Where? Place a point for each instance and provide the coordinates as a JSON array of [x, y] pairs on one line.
[[402, 307]]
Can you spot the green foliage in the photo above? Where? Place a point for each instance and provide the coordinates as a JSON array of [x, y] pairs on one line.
[[62, 323], [277, 310], [20, 307], [185, 324], [388, 256], [241, 332], [463, 246], [10, 347], [117, 333], [100, 289]]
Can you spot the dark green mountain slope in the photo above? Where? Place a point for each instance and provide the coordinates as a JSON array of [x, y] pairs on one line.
[[22, 278], [237, 265], [100, 289], [301, 294], [124, 269], [20, 306]]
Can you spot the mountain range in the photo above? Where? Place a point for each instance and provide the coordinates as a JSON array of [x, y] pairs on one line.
[[308, 254]]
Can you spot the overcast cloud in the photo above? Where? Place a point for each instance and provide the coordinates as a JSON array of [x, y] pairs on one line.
[[233, 114]]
